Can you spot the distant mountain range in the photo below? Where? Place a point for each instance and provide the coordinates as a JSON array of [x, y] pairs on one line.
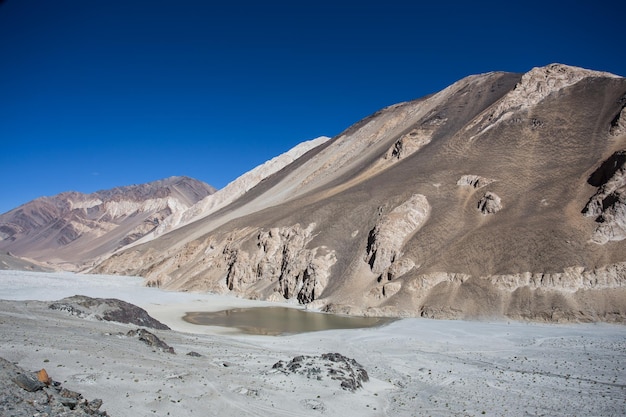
[[74, 231], [71, 228], [503, 195]]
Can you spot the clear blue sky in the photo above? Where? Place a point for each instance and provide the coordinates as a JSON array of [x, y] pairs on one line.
[[98, 94]]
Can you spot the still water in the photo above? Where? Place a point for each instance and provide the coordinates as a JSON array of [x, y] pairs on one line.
[[276, 321]]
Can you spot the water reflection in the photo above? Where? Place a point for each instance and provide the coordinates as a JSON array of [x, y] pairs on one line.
[[280, 320]]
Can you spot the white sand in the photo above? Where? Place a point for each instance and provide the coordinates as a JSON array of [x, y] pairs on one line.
[[417, 367]]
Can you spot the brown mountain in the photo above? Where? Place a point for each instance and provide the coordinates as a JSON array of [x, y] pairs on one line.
[[502, 195], [71, 228]]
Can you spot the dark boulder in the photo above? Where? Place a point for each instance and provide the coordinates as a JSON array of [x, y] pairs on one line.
[[348, 372], [108, 309]]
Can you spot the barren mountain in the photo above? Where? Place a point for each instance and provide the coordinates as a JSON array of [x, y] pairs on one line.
[[234, 189], [502, 195], [72, 228]]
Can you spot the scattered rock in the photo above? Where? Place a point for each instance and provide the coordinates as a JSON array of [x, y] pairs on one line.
[[23, 395], [490, 203], [335, 366], [108, 309], [194, 354], [151, 340], [42, 376], [28, 383], [474, 181], [313, 404]]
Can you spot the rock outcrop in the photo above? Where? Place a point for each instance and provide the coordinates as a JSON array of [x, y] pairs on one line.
[[151, 340], [618, 124], [573, 295], [276, 263], [107, 309], [349, 373], [415, 140], [281, 257], [474, 181], [535, 86], [386, 239], [23, 394], [489, 203], [608, 204]]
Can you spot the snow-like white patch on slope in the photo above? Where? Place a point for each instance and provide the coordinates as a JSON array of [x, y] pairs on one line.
[[122, 208], [85, 204]]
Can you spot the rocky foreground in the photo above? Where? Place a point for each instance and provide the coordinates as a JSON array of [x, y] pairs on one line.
[[407, 368], [28, 394]]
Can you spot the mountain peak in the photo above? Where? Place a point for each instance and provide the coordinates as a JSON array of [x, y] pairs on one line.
[[536, 85]]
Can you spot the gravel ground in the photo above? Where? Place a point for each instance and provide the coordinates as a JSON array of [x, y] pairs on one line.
[[414, 366]]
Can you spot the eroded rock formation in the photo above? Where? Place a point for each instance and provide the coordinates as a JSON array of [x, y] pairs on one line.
[[489, 203], [535, 86], [281, 256], [474, 181], [386, 239], [608, 204], [275, 263], [618, 124]]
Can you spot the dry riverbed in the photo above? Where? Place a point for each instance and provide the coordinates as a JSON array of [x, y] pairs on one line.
[[414, 366]]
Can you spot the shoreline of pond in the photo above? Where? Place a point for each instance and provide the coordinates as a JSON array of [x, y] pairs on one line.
[[278, 321]]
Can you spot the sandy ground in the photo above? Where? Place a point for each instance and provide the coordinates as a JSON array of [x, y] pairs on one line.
[[417, 367]]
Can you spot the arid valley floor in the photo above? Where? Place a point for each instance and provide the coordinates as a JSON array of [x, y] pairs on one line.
[[417, 367]]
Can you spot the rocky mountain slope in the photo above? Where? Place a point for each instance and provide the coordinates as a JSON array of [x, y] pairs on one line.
[[234, 189], [72, 228], [14, 263], [502, 195]]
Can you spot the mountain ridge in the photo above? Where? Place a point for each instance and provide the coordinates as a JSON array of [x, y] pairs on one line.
[[465, 203], [235, 188], [72, 227], [502, 195]]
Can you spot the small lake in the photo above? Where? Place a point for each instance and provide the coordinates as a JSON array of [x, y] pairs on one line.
[[275, 321]]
